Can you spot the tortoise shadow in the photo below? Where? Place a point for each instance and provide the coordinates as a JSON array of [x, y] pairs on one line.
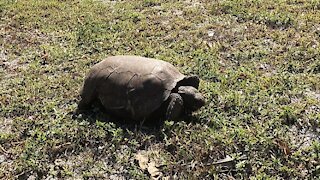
[[149, 126]]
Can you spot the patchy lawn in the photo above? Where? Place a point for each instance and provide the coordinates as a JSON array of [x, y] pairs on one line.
[[259, 62]]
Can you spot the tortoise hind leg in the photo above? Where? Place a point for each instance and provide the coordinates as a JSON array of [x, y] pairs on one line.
[[175, 106]]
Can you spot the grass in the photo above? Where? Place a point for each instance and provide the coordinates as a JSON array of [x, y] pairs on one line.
[[259, 62]]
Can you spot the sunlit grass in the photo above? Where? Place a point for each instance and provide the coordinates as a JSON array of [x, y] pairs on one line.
[[259, 65]]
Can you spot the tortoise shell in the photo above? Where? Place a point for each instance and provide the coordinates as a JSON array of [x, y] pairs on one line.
[[130, 86]]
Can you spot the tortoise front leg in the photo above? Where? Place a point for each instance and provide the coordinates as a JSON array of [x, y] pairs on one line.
[[88, 95], [175, 106]]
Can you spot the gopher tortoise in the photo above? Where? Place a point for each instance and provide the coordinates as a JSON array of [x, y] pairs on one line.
[[135, 87]]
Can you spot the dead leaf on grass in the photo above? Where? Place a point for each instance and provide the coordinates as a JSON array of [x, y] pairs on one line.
[[145, 164], [154, 171], [142, 159], [283, 146]]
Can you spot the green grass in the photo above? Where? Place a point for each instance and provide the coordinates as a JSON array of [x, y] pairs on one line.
[[259, 62]]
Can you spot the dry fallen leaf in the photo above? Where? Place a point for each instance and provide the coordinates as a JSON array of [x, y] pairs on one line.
[[142, 159], [283, 146], [153, 171]]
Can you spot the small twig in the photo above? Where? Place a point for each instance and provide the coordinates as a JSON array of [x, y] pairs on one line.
[[23, 172], [17, 142], [76, 58], [3, 150]]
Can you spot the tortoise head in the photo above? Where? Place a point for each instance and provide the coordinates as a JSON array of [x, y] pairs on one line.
[[192, 98], [192, 80]]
